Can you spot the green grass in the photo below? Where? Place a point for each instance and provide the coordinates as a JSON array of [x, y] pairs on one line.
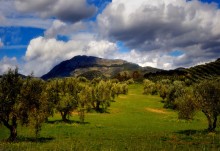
[[134, 122]]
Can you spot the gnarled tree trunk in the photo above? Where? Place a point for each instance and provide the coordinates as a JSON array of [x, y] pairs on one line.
[[12, 128], [212, 121]]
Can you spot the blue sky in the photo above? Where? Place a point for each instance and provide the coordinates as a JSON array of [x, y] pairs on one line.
[[162, 33]]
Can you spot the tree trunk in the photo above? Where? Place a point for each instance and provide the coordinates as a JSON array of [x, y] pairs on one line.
[[64, 114], [12, 128], [214, 123], [13, 134], [210, 124], [98, 106]]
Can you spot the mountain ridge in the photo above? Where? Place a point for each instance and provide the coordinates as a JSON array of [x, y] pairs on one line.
[[81, 64], [91, 67]]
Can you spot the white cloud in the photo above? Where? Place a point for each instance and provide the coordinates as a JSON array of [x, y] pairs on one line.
[[155, 28], [163, 60], [9, 16], [7, 63], [61, 28], [43, 53], [65, 10], [42, 13], [152, 59], [56, 28], [27, 22]]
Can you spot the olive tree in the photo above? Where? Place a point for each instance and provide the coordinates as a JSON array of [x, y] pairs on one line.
[[175, 90], [63, 93], [102, 95], [207, 94], [10, 85], [22, 101], [34, 106], [149, 87], [205, 97], [186, 104], [163, 88]]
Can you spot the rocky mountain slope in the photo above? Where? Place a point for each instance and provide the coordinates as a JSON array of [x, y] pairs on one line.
[[85, 65]]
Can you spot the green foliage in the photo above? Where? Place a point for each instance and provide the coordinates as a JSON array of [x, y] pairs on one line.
[[34, 106], [186, 105], [207, 94], [130, 81], [163, 88], [22, 101], [77, 94], [102, 95], [84, 101], [128, 126], [123, 76], [204, 97], [149, 87], [10, 85], [190, 76], [175, 90], [63, 93], [93, 74]]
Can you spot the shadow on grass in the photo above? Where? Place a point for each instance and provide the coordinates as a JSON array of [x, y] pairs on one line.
[[37, 140], [67, 122], [192, 137], [195, 132], [21, 139]]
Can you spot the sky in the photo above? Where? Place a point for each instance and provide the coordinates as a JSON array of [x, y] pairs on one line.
[[36, 35]]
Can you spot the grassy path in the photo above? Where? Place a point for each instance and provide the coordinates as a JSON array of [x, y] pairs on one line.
[[134, 122]]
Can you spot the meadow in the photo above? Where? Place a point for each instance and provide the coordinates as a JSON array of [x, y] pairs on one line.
[[134, 122]]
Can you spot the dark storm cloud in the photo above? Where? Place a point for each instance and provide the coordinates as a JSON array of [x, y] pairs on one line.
[[211, 44], [65, 10]]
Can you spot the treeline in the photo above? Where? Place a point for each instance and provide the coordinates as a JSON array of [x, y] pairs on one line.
[[30, 101], [187, 98], [194, 74]]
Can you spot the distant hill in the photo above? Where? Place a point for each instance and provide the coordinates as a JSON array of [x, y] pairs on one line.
[[90, 67], [200, 72]]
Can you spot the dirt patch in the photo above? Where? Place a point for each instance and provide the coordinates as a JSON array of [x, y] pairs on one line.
[[122, 97], [160, 111]]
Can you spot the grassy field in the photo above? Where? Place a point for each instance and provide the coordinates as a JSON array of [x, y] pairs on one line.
[[135, 122]]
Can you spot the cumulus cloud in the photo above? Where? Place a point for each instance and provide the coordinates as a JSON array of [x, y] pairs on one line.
[[163, 26], [27, 22], [152, 59], [7, 63], [65, 10], [9, 16], [61, 28], [44, 53]]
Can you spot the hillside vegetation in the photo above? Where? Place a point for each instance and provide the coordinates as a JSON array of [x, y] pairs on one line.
[[194, 74]]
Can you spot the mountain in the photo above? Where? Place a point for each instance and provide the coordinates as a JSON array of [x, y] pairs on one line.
[[89, 66], [200, 72]]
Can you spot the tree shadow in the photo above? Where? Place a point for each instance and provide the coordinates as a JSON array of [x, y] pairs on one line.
[[189, 137], [34, 139], [66, 122], [21, 139], [195, 132], [189, 132]]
